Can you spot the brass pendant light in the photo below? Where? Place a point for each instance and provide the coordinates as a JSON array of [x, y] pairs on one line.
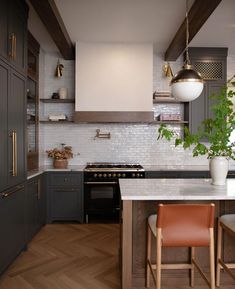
[[187, 84], [59, 68]]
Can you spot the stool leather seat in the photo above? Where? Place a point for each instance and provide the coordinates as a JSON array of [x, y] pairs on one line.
[[180, 225], [228, 221], [226, 224]]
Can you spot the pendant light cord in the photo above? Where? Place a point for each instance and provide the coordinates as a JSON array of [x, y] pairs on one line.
[[187, 35]]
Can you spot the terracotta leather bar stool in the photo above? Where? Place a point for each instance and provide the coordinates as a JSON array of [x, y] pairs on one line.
[[226, 223], [181, 225]]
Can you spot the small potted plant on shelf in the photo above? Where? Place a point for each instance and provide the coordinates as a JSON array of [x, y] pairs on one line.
[[60, 156], [219, 147]]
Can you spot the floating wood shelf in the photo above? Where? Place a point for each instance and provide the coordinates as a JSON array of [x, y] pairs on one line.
[[50, 100], [171, 121], [57, 122], [166, 100]]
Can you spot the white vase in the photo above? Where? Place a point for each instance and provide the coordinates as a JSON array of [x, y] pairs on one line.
[[63, 93], [219, 170]]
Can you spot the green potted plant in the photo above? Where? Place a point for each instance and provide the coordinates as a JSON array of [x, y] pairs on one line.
[[217, 131], [60, 156]]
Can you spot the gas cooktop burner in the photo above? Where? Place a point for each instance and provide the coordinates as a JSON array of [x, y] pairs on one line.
[[113, 166]]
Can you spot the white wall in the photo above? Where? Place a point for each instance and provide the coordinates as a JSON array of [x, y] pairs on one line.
[[114, 77]]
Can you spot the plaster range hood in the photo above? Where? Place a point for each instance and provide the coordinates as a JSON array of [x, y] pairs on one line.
[[114, 82]]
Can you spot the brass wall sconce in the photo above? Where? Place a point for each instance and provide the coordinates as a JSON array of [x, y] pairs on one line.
[[167, 70], [59, 68]]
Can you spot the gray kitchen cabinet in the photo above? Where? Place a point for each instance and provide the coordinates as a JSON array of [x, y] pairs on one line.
[[12, 127], [35, 206], [176, 174], [3, 28], [16, 129], [12, 224], [212, 64], [4, 84], [13, 20], [13, 32], [65, 196]]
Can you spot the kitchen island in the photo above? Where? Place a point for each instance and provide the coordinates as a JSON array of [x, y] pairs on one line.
[[140, 198]]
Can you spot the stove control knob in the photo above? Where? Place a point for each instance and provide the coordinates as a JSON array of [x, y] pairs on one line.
[[109, 175], [105, 175], [133, 175], [138, 175], [95, 175], [100, 175], [118, 175], [123, 175], [114, 175]]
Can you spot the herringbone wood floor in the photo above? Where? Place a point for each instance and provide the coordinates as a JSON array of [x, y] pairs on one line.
[[71, 256], [68, 256]]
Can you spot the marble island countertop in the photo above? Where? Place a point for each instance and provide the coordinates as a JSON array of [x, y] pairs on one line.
[[175, 189]]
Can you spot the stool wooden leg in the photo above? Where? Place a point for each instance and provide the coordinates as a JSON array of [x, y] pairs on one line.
[[219, 249], [193, 267], [159, 259], [148, 256], [212, 258]]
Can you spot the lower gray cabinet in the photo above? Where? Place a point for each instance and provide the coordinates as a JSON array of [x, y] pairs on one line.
[[65, 196], [176, 174], [35, 206], [12, 224]]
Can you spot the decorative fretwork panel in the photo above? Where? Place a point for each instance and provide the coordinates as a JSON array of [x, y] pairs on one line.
[[210, 70]]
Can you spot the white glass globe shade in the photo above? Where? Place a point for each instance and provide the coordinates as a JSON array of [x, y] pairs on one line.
[[186, 90]]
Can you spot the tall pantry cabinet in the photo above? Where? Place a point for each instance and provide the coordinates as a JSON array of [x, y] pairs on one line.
[[13, 44], [13, 60]]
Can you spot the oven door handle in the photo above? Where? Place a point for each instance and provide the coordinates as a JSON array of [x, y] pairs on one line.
[[100, 183]]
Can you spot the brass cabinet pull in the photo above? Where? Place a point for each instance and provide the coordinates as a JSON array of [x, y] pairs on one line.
[[12, 52], [7, 194], [14, 153], [14, 56]]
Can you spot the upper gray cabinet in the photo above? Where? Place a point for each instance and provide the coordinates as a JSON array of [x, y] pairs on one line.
[[3, 28], [13, 20], [212, 64], [13, 32]]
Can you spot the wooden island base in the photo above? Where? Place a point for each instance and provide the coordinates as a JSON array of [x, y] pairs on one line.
[[135, 214]]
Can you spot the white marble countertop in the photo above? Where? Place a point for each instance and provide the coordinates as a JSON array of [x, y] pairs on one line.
[[41, 170], [175, 189]]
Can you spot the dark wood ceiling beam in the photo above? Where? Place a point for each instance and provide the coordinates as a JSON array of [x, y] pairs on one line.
[[197, 16], [50, 16]]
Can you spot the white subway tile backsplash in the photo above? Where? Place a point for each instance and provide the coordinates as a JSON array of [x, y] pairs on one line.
[[129, 142]]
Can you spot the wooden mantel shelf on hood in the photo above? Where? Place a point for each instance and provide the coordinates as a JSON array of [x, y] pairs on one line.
[[113, 116]]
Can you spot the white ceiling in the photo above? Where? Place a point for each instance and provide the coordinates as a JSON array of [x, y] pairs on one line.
[[219, 30], [154, 21]]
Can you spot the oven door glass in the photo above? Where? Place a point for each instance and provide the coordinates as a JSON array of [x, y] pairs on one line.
[[100, 196]]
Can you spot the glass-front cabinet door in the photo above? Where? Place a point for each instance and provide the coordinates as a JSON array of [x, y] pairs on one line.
[[32, 102]]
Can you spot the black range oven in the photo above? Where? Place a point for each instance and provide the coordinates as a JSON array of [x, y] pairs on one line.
[[101, 189]]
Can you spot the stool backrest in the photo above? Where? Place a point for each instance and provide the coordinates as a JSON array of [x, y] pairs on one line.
[[185, 224]]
